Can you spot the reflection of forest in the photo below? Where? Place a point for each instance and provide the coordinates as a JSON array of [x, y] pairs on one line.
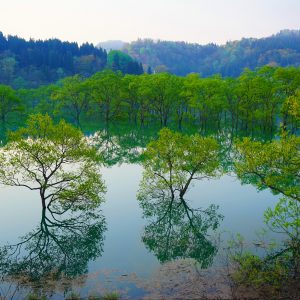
[[124, 143], [62, 245], [175, 230], [58, 249]]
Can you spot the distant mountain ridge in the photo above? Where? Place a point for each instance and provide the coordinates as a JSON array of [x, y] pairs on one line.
[[31, 63], [111, 45], [181, 58]]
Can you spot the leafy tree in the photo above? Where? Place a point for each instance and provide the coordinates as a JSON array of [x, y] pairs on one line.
[[177, 230], [288, 80], [291, 110], [55, 160], [174, 160], [106, 93], [275, 273], [130, 95], [248, 101], [73, 96], [162, 93], [120, 61], [9, 103], [273, 165], [149, 70], [144, 99], [7, 69], [254, 103], [178, 99]]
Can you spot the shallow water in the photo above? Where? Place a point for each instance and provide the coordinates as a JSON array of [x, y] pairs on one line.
[[124, 252]]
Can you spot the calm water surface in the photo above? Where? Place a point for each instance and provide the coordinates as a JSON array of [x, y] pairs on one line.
[[124, 252]]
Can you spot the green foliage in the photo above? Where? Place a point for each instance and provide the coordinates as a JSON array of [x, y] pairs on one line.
[[111, 296], [230, 59], [120, 61], [9, 103], [291, 109], [58, 249], [174, 160], [273, 164], [277, 272], [178, 231], [35, 297], [73, 96], [39, 157], [254, 103], [105, 89], [33, 63], [106, 296], [73, 296], [285, 218], [260, 273]]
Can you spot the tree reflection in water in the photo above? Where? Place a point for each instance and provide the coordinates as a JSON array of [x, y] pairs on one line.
[[178, 231], [59, 248]]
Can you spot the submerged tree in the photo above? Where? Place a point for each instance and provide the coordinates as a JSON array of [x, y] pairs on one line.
[[273, 272], [273, 165], [291, 110], [105, 87], [177, 230], [54, 159], [9, 103], [174, 160], [73, 96]]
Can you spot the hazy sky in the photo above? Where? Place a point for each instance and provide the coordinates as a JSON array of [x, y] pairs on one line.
[[200, 21]]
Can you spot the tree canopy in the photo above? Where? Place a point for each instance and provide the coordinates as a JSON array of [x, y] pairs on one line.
[[54, 159], [273, 165], [174, 160]]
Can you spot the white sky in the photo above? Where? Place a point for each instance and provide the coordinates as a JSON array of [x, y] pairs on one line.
[[200, 21]]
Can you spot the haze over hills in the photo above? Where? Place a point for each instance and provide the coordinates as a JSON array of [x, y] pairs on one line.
[[111, 45], [36, 62], [180, 58]]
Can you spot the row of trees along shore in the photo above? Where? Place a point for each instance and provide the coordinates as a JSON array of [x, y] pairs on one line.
[[256, 101]]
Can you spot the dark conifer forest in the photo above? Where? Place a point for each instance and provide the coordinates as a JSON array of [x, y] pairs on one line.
[[26, 64]]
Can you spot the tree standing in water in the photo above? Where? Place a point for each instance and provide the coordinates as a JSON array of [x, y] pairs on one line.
[[54, 159], [174, 160]]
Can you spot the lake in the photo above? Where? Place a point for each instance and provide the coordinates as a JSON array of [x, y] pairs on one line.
[[123, 253]]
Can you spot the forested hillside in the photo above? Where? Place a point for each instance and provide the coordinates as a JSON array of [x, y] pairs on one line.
[[32, 63], [180, 58]]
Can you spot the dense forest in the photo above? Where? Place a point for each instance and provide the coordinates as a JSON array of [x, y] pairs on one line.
[[180, 58], [245, 127], [25, 64], [30, 64], [256, 101]]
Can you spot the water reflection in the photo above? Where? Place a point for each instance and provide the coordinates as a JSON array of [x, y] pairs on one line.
[[176, 230], [59, 248], [122, 144]]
